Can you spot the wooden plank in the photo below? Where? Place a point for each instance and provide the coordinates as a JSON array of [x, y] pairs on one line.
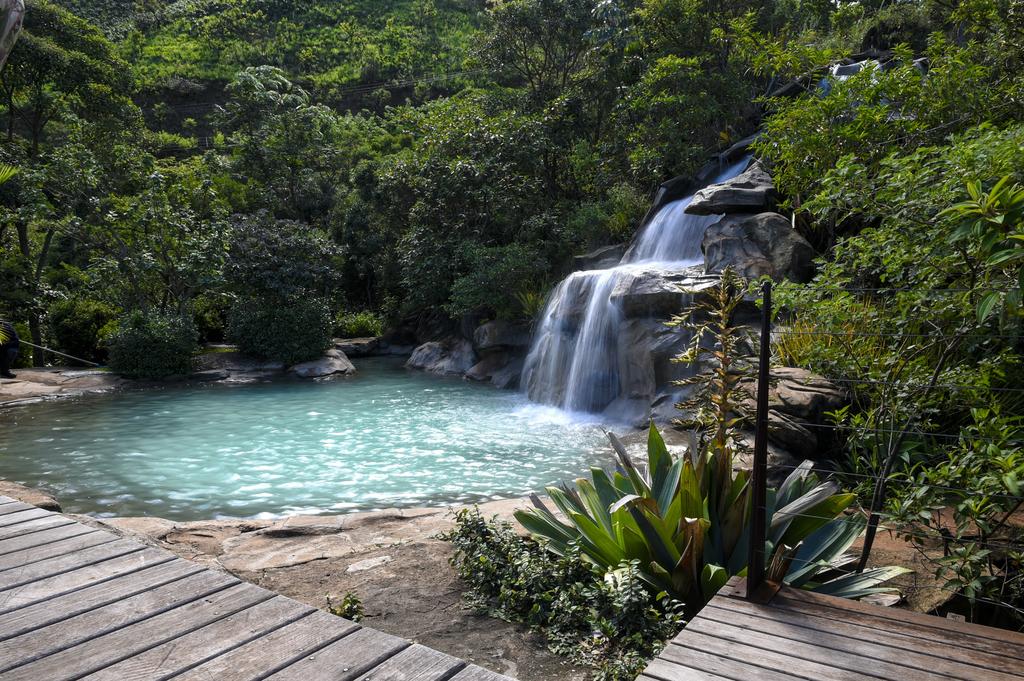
[[39, 643], [416, 663], [13, 506], [44, 561], [64, 607], [33, 526], [12, 598], [43, 537], [892, 623], [907, 618], [346, 659], [837, 647], [886, 663], [728, 607], [728, 666], [663, 670], [96, 653], [204, 644], [277, 650], [20, 516], [789, 657], [25, 557], [475, 673]]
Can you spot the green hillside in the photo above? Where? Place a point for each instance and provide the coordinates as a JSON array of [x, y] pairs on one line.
[[333, 47]]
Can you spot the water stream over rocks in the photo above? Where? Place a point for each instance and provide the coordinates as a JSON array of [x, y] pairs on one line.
[[583, 355]]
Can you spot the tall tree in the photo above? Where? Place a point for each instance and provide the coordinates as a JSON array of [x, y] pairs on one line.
[[60, 63]]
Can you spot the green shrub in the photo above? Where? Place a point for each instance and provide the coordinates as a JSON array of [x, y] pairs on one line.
[[76, 325], [210, 312], [979, 482], [606, 619], [358, 324], [289, 332], [612, 219], [495, 274], [152, 345], [350, 607]]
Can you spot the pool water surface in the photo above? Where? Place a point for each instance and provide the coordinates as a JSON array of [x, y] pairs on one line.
[[386, 437]]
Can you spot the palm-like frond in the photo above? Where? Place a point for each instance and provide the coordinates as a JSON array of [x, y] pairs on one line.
[[7, 172]]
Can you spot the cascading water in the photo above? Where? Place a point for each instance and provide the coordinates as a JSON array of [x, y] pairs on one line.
[[575, 360]]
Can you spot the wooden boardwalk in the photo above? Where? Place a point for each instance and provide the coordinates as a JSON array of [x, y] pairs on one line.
[[801, 635], [78, 602]]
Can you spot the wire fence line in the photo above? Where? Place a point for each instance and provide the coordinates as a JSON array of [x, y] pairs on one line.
[[841, 569], [876, 478], [907, 532], [917, 432], [880, 334], [920, 386]]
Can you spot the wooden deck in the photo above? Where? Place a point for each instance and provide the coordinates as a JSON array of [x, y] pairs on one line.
[[801, 635], [78, 602]]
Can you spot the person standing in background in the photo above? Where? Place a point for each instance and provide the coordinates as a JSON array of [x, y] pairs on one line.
[[9, 346]]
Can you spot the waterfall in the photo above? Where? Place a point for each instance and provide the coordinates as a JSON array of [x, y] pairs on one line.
[[575, 358]]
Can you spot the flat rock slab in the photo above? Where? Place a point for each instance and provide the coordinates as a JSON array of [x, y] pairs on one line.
[[29, 495], [752, 191], [360, 347], [33, 384]]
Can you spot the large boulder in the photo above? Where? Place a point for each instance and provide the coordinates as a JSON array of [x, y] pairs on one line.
[[797, 403], [507, 378], [792, 435], [600, 259], [485, 369], [500, 335], [452, 355], [752, 191], [636, 365], [802, 394], [333, 363], [757, 245], [359, 347], [658, 293]]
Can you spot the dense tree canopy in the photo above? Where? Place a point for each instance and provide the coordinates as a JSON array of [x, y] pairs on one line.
[[443, 156]]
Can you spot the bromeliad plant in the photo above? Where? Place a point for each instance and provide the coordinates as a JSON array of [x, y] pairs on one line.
[[687, 523]]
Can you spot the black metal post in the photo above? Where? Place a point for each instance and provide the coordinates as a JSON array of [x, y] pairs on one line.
[[759, 472]]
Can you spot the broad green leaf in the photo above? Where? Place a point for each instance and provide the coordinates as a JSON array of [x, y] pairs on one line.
[[987, 305]]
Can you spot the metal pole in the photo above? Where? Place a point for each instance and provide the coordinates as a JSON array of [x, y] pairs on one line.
[[759, 473]]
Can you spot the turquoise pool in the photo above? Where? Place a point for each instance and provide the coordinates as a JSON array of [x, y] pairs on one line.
[[386, 437]]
